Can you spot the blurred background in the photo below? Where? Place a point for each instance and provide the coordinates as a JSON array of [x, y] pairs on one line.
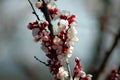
[[98, 33]]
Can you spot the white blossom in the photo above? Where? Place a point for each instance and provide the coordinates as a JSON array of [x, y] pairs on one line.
[[82, 73], [71, 48], [89, 75], [74, 39], [63, 25], [65, 13], [51, 5], [55, 30], [56, 40], [63, 57], [38, 4], [63, 22], [62, 73], [74, 23], [72, 32], [76, 78], [69, 53], [72, 43]]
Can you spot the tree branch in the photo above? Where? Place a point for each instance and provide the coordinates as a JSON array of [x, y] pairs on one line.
[[48, 18], [50, 26], [34, 12], [103, 19], [41, 61]]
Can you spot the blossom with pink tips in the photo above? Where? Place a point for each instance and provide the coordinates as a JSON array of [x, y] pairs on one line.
[[59, 44], [78, 72]]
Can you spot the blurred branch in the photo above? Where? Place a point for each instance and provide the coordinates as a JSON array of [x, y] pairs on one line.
[[104, 18], [107, 55]]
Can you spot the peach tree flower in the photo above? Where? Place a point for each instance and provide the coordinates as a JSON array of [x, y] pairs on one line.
[[57, 41]]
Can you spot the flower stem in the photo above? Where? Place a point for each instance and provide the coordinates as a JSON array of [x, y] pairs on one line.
[[69, 71]]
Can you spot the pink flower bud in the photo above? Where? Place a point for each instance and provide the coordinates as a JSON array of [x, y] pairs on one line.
[[77, 60]]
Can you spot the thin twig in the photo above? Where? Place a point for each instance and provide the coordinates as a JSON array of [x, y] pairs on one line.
[[41, 61], [68, 68], [34, 12]]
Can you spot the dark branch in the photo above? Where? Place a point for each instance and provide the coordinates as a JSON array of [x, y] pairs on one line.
[[48, 18], [41, 61], [46, 13], [119, 70], [34, 12], [103, 20]]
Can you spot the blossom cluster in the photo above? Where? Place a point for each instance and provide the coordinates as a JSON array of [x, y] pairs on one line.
[[58, 47], [115, 75]]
